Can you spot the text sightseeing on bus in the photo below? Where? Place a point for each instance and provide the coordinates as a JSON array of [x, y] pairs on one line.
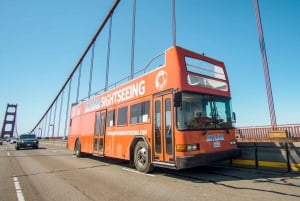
[[126, 93]]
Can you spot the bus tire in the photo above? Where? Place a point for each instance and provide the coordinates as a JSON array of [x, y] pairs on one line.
[[77, 149], [142, 157]]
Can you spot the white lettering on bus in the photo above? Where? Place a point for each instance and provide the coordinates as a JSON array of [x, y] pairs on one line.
[[126, 93], [134, 132], [92, 105]]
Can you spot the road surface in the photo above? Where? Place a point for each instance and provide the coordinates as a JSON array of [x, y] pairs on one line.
[[53, 173]]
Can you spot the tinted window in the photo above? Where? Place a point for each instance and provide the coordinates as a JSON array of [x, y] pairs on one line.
[[97, 124], [139, 112], [111, 118], [122, 116], [27, 136]]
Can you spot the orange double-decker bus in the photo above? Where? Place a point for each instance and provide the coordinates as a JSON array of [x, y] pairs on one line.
[[177, 116]]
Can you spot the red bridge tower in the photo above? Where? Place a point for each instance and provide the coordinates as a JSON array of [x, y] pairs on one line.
[[9, 121]]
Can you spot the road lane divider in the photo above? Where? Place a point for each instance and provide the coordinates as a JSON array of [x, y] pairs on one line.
[[18, 189], [137, 172]]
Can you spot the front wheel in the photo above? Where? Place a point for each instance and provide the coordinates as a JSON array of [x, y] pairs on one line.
[[142, 157]]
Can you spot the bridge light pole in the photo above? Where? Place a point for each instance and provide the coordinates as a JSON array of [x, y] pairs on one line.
[[52, 125]]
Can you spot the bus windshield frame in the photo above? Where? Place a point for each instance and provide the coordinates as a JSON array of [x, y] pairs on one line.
[[204, 112]]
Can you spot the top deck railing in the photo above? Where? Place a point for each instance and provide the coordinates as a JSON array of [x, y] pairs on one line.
[[140, 72]]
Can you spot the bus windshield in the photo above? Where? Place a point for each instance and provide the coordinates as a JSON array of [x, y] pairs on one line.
[[204, 112]]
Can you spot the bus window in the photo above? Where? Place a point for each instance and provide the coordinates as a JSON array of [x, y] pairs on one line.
[[102, 126], [122, 116], [111, 118], [204, 112], [168, 127], [205, 68], [139, 113], [97, 124], [157, 127]]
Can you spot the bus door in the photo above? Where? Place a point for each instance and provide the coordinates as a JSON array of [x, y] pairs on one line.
[[99, 132], [163, 135]]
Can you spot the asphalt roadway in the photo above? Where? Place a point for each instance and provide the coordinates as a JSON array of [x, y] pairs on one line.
[[53, 173]]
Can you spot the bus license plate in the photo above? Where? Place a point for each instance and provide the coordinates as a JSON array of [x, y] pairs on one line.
[[214, 137], [217, 144]]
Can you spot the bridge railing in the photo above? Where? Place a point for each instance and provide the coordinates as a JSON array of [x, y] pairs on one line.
[[292, 130]]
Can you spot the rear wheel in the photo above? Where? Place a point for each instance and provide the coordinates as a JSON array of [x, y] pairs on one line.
[[78, 153], [142, 157]]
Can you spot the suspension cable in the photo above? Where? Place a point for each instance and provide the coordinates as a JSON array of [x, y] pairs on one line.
[[78, 82], [42, 128], [50, 116], [173, 22], [133, 38], [60, 110], [45, 125], [67, 111], [91, 71], [110, 13], [54, 118], [108, 53], [265, 66]]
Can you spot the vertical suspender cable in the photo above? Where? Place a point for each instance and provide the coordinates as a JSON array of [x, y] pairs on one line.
[[42, 128], [173, 22], [60, 110], [108, 53], [91, 71], [265, 65], [133, 38], [45, 125], [67, 111], [54, 118], [78, 83], [50, 116]]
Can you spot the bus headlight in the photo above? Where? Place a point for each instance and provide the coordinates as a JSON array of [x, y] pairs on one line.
[[233, 142], [187, 147]]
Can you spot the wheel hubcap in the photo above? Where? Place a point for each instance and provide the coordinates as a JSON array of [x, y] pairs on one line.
[[142, 156]]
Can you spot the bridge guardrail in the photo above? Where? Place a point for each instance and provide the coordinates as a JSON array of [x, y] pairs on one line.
[[292, 131], [54, 142], [274, 156]]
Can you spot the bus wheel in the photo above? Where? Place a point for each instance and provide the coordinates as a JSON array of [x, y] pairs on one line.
[[142, 157], [78, 153]]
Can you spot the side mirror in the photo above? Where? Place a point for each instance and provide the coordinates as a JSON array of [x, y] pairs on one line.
[[233, 117], [177, 98]]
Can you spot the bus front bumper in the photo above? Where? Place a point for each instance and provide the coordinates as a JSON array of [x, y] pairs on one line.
[[205, 159]]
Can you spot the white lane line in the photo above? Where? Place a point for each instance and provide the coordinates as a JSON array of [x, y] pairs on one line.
[[137, 172], [18, 189], [7, 152]]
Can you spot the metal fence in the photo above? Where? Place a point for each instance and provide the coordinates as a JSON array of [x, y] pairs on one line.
[[292, 130]]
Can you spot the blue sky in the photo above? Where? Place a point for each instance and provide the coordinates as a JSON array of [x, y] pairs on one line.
[[41, 41]]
